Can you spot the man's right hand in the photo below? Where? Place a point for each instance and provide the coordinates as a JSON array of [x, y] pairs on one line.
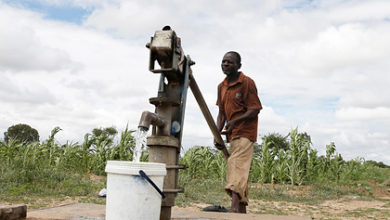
[[218, 145]]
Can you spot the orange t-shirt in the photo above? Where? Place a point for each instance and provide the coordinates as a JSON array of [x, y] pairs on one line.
[[234, 100]]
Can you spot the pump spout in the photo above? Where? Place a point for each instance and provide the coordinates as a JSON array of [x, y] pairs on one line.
[[149, 118]]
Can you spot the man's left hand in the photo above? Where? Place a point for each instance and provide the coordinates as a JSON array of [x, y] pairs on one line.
[[229, 127]]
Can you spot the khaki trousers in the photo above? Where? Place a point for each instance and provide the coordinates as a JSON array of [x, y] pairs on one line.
[[238, 166]]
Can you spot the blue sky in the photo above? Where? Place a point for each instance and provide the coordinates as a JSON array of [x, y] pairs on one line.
[[61, 12], [321, 66]]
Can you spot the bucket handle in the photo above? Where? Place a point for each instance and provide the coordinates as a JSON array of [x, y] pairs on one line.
[[143, 174]]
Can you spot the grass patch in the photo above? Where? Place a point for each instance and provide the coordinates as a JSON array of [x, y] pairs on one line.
[[369, 213], [93, 199], [207, 191], [211, 191], [46, 187], [310, 195]]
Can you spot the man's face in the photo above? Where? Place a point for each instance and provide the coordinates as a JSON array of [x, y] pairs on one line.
[[229, 64]]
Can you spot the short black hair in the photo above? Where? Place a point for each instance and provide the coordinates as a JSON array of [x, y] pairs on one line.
[[237, 55]]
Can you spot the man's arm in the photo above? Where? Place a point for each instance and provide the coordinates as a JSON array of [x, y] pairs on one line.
[[251, 113], [221, 119]]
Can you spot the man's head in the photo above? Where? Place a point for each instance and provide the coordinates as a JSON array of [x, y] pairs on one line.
[[231, 63]]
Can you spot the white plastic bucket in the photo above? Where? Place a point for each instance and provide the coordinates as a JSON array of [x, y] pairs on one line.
[[130, 196]]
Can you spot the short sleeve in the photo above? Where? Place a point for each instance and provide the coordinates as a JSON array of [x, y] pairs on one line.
[[252, 99], [219, 97]]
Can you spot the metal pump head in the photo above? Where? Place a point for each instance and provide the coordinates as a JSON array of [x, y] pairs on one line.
[[165, 48]]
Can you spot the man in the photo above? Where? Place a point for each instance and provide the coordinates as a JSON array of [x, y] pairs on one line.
[[239, 106]]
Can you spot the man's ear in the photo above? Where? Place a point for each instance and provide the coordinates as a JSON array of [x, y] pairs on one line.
[[239, 66]]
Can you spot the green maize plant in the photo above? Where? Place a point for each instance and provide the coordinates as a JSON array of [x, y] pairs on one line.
[[9, 151], [51, 150], [298, 157], [295, 172], [326, 162], [100, 146], [71, 157], [336, 167], [220, 166], [313, 166], [371, 171], [193, 159], [124, 150], [101, 151], [352, 170], [86, 151], [266, 162], [203, 162], [49, 168], [280, 170], [254, 173], [208, 165]]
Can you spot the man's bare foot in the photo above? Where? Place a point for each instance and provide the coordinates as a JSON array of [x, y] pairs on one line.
[[242, 208], [235, 203]]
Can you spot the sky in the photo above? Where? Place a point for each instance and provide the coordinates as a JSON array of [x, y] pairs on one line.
[[319, 66]]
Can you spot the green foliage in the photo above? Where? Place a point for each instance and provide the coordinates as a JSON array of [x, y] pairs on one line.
[[377, 164], [21, 133], [276, 140], [298, 156], [48, 167], [296, 164], [266, 161], [104, 134], [204, 162]]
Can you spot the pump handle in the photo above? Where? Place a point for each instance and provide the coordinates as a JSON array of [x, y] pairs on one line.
[[206, 113]]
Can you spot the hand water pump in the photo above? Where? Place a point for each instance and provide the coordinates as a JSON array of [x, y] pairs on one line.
[[168, 118]]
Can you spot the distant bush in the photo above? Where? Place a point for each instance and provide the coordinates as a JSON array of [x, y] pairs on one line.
[[377, 164], [21, 133]]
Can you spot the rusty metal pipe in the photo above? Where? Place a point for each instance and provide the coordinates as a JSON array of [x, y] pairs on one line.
[[149, 118]]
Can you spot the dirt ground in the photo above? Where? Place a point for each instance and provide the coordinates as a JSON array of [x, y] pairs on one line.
[[345, 208], [90, 211], [348, 207]]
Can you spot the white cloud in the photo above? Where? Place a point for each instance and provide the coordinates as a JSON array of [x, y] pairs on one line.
[[129, 18], [346, 11], [22, 50], [379, 113], [269, 119], [321, 66], [342, 47], [365, 98]]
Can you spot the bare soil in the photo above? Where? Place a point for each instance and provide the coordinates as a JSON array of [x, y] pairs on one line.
[[349, 207], [376, 205]]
